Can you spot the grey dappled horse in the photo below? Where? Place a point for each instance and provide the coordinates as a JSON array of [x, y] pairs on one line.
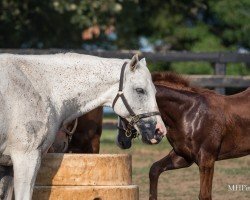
[[40, 93]]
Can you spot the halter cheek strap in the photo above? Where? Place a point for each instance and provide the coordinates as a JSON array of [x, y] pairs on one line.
[[120, 92], [135, 118]]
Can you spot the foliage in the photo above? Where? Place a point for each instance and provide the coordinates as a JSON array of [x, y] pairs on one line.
[[192, 25], [50, 23], [197, 25], [158, 66], [238, 69], [231, 21], [192, 67]]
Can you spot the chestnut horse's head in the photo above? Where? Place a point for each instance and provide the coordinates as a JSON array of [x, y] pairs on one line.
[[136, 101], [63, 138], [60, 144]]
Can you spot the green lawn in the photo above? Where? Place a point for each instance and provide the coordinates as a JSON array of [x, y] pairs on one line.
[[183, 183]]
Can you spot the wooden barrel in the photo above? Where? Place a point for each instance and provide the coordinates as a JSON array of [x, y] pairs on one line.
[[85, 176]]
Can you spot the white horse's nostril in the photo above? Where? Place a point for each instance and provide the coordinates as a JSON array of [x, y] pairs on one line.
[[158, 132]]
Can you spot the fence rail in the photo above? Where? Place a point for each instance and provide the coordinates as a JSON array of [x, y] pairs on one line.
[[213, 57], [218, 59], [220, 81]]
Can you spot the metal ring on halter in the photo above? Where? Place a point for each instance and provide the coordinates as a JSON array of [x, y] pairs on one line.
[[133, 134], [128, 133]]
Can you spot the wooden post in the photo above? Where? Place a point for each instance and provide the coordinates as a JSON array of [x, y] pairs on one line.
[[220, 69]]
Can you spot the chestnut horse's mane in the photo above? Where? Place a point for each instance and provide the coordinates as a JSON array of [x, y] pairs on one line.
[[170, 78], [177, 81]]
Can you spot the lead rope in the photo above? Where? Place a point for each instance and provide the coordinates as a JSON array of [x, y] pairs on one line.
[[70, 132]]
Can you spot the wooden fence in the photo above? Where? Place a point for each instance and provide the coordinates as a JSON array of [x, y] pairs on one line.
[[219, 60]]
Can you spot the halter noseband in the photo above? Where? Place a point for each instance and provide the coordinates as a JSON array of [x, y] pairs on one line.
[[135, 118]]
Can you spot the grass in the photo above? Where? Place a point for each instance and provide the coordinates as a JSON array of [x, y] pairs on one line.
[[182, 183]]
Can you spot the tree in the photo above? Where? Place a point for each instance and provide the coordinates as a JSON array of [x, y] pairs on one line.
[[50, 23], [196, 25]]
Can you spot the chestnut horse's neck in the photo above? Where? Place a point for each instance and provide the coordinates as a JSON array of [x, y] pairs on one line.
[[174, 103]]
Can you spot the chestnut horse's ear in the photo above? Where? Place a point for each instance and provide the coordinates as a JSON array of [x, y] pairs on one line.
[[134, 62]]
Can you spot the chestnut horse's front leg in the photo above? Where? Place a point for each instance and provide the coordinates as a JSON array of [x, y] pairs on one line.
[[95, 144], [206, 167], [171, 161]]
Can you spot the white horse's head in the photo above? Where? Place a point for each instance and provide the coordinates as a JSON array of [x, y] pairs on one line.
[[139, 92]]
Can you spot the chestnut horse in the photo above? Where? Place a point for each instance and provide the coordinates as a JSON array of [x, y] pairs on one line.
[[86, 136], [203, 127]]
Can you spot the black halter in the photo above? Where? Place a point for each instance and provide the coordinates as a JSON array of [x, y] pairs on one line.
[[135, 118], [123, 125]]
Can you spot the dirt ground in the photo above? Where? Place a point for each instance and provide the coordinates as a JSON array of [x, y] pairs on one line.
[[181, 184]]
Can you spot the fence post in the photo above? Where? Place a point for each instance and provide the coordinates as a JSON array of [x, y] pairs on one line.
[[220, 69]]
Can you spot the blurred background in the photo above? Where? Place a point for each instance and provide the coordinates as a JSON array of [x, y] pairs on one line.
[[191, 25], [148, 26], [212, 35]]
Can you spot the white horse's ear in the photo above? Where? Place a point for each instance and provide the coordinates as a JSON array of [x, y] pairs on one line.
[[143, 61], [134, 62]]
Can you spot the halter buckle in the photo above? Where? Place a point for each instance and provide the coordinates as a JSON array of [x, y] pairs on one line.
[[136, 118]]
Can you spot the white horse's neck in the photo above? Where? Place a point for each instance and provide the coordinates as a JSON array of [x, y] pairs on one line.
[[80, 83]]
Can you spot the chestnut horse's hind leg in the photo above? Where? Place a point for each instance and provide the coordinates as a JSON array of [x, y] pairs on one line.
[[171, 161], [206, 167]]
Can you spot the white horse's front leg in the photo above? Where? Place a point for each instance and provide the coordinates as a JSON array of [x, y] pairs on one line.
[[26, 166]]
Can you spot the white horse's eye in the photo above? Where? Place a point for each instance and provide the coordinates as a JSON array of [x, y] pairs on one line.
[[140, 91]]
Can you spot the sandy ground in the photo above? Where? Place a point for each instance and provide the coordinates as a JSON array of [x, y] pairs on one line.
[[182, 183]]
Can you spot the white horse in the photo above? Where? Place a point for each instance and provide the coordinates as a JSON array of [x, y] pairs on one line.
[[39, 93]]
